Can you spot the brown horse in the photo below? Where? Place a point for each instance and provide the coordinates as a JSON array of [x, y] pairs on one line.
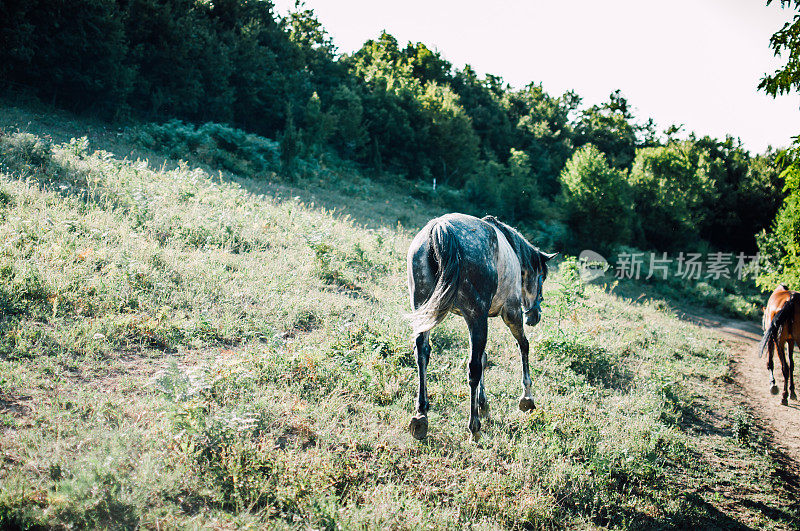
[[781, 326]]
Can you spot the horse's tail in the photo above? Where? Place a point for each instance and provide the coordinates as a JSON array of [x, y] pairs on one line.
[[447, 253], [783, 317]]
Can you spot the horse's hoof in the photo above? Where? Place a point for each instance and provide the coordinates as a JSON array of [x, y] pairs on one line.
[[483, 410], [419, 427], [474, 426], [526, 403], [474, 436], [774, 389], [792, 395], [784, 402]]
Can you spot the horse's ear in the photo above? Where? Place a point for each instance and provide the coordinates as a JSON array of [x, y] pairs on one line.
[[549, 256]]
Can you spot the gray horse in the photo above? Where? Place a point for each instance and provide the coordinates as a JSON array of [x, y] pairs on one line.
[[476, 268]]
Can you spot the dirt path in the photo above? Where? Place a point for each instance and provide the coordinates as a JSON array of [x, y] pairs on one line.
[[751, 382]]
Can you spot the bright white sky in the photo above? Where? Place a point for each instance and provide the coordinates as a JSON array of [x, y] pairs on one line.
[[691, 62]]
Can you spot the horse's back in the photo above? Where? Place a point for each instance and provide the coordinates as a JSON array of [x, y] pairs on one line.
[[473, 235], [509, 275], [776, 302]]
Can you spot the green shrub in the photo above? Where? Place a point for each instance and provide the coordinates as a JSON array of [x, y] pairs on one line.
[[213, 144], [6, 198], [780, 246], [598, 200], [22, 292], [672, 186], [598, 365], [570, 291], [24, 152]]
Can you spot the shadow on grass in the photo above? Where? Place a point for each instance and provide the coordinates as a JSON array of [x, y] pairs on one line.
[[704, 515], [776, 515], [600, 367], [758, 440]]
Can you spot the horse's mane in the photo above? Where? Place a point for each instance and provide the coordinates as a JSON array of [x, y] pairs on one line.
[[530, 257]]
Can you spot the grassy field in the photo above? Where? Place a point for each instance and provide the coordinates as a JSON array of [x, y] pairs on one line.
[[181, 346]]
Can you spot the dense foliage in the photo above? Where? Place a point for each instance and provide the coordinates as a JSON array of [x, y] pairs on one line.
[[402, 111], [786, 40], [780, 245], [598, 198]]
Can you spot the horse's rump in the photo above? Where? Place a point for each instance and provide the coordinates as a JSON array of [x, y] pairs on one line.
[[446, 253], [782, 319]]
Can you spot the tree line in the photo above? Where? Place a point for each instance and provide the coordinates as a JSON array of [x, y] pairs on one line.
[[604, 176]]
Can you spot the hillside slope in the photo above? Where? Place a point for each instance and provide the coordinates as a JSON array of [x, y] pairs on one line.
[[185, 347]]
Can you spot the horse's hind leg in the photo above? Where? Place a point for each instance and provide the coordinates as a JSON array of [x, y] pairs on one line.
[[513, 320], [785, 371], [773, 388], [478, 330], [419, 423], [792, 394], [483, 403]]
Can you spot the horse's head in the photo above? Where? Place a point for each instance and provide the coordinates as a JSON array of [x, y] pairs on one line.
[[532, 292]]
